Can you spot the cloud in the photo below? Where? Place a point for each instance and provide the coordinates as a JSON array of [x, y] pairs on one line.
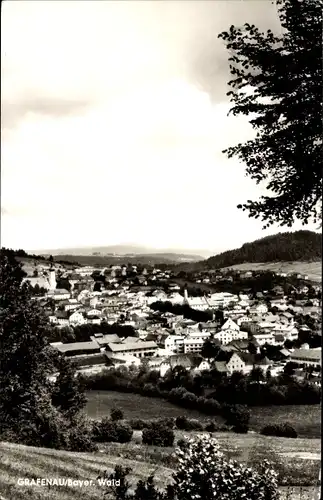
[[115, 118]]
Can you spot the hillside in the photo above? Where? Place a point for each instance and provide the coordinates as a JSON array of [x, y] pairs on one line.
[[312, 269], [281, 247], [19, 461]]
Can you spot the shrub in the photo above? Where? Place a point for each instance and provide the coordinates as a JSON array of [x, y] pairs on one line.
[[137, 424], [109, 431], [80, 434], [238, 417], [158, 435], [181, 422], [186, 424], [203, 472], [280, 430], [211, 427], [116, 414]]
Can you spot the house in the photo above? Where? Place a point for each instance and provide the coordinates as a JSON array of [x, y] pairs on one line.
[[193, 344], [139, 349], [240, 361], [58, 294], [307, 357], [261, 308], [76, 318], [264, 338], [174, 343], [221, 367], [187, 361]]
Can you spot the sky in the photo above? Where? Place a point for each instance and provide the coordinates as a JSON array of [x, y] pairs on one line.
[[113, 123]]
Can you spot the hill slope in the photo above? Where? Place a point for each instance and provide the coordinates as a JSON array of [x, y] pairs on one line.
[[19, 461], [284, 247], [312, 269]]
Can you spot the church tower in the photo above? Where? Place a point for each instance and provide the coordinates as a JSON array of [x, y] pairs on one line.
[[52, 279], [185, 302]]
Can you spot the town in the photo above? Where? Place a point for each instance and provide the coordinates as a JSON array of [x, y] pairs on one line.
[[129, 315]]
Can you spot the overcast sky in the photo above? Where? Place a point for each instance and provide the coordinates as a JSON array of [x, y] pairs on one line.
[[114, 116]]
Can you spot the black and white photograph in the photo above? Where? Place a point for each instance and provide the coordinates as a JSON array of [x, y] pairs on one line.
[[161, 249]]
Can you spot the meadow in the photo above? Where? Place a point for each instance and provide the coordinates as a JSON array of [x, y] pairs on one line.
[[312, 269], [305, 419], [296, 460]]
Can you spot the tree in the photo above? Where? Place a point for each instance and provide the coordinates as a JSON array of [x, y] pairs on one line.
[[238, 416], [116, 414], [256, 374], [27, 412], [25, 358], [210, 349], [68, 392], [277, 83]]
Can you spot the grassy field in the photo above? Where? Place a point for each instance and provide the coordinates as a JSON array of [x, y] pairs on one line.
[[17, 461], [312, 269], [305, 419]]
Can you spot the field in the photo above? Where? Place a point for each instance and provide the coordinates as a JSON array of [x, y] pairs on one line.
[[305, 419], [296, 460], [312, 269]]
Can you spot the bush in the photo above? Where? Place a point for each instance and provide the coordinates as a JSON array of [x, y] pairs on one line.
[[109, 431], [181, 422], [203, 472], [137, 424], [158, 435], [211, 427], [238, 417], [116, 414], [279, 430], [80, 434], [187, 424]]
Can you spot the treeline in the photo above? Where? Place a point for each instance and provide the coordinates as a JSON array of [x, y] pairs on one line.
[[182, 310], [82, 333], [290, 246], [50, 258], [183, 389]]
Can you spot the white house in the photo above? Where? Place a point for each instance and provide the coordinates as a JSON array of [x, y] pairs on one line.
[[174, 343], [77, 318], [240, 361]]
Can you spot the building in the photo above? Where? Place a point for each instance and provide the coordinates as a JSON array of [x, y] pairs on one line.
[[58, 294], [307, 357], [174, 343], [187, 361], [264, 338], [230, 331], [78, 348], [139, 349], [240, 362]]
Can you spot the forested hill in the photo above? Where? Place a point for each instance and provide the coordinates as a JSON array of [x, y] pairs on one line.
[[290, 246]]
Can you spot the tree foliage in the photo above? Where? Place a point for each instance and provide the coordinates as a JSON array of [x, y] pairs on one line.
[[202, 473], [277, 83], [289, 246], [27, 412]]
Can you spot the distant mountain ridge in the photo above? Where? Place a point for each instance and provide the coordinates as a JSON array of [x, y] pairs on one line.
[[128, 250], [290, 246]]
